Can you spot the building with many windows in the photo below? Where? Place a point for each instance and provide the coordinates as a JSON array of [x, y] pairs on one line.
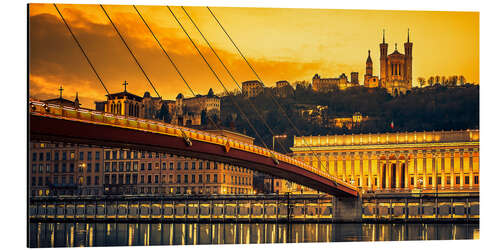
[[402, 161], [252, 88]]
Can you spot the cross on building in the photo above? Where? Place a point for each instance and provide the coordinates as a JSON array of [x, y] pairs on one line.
[[60, 91], [125, 84]]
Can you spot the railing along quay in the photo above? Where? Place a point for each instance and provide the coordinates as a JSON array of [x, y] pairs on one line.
[[258, 208]]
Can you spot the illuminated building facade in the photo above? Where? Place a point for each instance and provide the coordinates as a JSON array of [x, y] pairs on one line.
[[67, 169], [330, 84], [403, 161]]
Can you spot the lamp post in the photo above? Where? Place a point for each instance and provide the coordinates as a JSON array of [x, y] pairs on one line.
[[276, 137], [82, 169]]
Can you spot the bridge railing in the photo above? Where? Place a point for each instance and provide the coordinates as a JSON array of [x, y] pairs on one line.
[[97, 117]]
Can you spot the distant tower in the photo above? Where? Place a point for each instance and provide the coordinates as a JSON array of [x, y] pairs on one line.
[[369, 65], [408, 60], [383, 60], [77, 101]]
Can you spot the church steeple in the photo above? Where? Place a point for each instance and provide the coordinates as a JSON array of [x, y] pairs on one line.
[[383, 36], [369, 65]]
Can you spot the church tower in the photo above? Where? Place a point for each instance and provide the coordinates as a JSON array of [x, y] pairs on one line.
[[383, 60], [369, 65], [408, 61]]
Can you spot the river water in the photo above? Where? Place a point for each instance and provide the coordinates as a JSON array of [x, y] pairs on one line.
[[141, 234]]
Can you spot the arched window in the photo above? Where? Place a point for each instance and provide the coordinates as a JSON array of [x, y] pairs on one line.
[[119, 111]]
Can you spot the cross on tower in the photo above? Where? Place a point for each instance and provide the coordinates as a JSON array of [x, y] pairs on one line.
[[125, 84], [60, 91]]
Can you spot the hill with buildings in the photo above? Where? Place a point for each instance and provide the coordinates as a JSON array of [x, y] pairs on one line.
[[353, 110]]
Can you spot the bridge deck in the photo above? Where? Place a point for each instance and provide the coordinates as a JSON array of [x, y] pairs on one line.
[[56, 123]]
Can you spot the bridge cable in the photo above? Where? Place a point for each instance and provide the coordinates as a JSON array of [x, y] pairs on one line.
[[172, 62], [272, 95], [232, 77], [218, 79], [131, 53], [81, 49]]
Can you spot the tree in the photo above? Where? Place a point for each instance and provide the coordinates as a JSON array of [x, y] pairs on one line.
[[164, 114], [421, 81], [438, 80], [431, 81], [461, 79]]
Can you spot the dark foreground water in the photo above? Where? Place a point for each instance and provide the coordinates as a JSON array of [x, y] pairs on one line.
[[133, 234]]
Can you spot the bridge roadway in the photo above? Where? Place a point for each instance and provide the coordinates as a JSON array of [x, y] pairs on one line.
[[50, 122]]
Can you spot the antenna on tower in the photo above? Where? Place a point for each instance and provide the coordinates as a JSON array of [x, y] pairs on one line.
[[383, 36], [408, 35]]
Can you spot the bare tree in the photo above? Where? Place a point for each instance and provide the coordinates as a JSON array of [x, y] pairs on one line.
[[461, 79], [421, 81], [430, 81], [438, 80]]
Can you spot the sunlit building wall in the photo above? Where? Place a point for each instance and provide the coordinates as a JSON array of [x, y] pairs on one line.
[[403, 161]]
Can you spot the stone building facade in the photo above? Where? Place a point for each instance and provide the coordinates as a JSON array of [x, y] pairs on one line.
[[330, 84], [392, 162], [252, 88]]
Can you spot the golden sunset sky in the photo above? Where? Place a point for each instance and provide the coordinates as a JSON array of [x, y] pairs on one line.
[[282, 44]]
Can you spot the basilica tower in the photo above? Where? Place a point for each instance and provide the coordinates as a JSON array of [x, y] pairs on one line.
[[408, 60], [383, 61]]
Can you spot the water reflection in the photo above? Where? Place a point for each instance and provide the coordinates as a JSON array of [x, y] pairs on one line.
[[138, 234]]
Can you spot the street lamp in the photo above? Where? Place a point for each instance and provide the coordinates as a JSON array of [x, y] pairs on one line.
[[82, 167], [276, 137]]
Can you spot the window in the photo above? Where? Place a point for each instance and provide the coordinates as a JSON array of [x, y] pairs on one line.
[[171, 165], [71, 167], [72, 155], [56, 155], [142, 178], [150, 166], [40, 181], [64, 155], [89, 167], [47, 156], [215, 178], [113, 179], [142, 166], [96, 180], [457, 180], [185, 178], [63, 180], [439, 180], [134, 178], [429, 181], [149, 178], [448, 180], [121, 154], [178, 178], [33, 158], [156, 178], [120, 166], [96, 169], [164, 166], [40, 157], [170, 178], [88, 180], [107, 155], [120, 179], [80, 156], [476, 179], [135, 165], [200, 165], [97, 155], [215, 165], [89, 156], [128, 155], [106, 179], [56, 167], [128, 166], [193, 165], [127, 179], [106, 167], [466, 181], [376, 181], [208, 178], [185, 165], [200, 178], [178, 165], [150, 155], [114, 154], [63, 169], [33, 181], [56, 180]]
